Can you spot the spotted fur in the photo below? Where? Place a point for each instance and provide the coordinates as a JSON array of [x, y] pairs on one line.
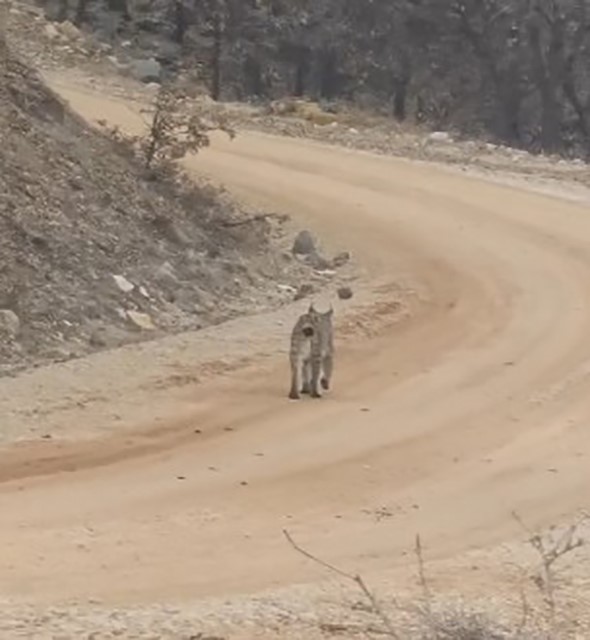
[[311, 353]]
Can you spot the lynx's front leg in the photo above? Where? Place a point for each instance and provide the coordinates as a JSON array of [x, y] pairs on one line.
[[295, 378], [316, 369], [306, 385], [328, 368]]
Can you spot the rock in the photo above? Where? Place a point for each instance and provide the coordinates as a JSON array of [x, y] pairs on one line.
[[98, 339], [326, 273], [318, 262], [304, 290], [345, 293], [165, 272], [341, 259], [440, 136], [114, 61], [304, 244], [286, 288], [51, 31], [107, 337], [281, 107], [70, 30], [141, 320], [147, 70], [9, 324], [124, 285]]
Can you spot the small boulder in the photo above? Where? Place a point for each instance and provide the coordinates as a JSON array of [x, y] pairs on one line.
[[51, 31], [319, 263], [107, 337], [124, 285], [166, 273], [345, 293], [147, 70], [440, 136], [70, 30], [304, 244], [286, 288], [142, 321], [341, 259], [9, 324], [303, 291]]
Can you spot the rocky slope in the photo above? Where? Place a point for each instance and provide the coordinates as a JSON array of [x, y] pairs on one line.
[[93, 256]]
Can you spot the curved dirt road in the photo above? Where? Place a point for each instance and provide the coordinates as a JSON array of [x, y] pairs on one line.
[[476, 406]]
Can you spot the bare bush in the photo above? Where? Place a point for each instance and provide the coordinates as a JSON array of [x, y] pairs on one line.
[[551, 547], [460, 623], [431, 618]]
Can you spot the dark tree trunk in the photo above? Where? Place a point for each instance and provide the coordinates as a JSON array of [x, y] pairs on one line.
[[571, 93], [216, 57], [550, 120], [329, 78], [300, 79], [545, 69], [253, 81], [63, 10], [400, 99], [507, 109], [180, 21], [81, 8]]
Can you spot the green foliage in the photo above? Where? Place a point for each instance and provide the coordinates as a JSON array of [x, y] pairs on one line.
[[174, 128]]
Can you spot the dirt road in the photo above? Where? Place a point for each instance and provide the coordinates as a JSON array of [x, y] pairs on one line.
[[475, 406]]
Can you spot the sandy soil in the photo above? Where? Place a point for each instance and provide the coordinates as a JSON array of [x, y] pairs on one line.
[[464, 402]]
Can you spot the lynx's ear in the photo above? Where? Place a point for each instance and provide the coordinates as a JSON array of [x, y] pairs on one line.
[[311, 308]]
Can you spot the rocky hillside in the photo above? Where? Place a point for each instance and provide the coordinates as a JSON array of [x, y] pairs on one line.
[[93, 256]]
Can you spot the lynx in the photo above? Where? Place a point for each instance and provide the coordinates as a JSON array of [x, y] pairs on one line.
[[312, 353]]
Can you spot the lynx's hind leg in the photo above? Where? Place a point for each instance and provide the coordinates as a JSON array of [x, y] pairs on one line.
[[328, 366]]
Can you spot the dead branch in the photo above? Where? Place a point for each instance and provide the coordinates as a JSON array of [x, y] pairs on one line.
[[257, 218], [376, 608], [549, 552], [356, 629], [422, 575]]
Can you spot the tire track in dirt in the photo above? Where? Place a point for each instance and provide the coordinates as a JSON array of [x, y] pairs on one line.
[[433, 414]]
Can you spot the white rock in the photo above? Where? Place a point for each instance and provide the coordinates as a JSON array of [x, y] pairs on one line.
[[9, 323], [51, 31], [141, 320], [70, 30], [287, 288], [325, 272], [124, 284], [440, 136]]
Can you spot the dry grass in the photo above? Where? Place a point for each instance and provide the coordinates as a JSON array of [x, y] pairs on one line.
[[433, 617]]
